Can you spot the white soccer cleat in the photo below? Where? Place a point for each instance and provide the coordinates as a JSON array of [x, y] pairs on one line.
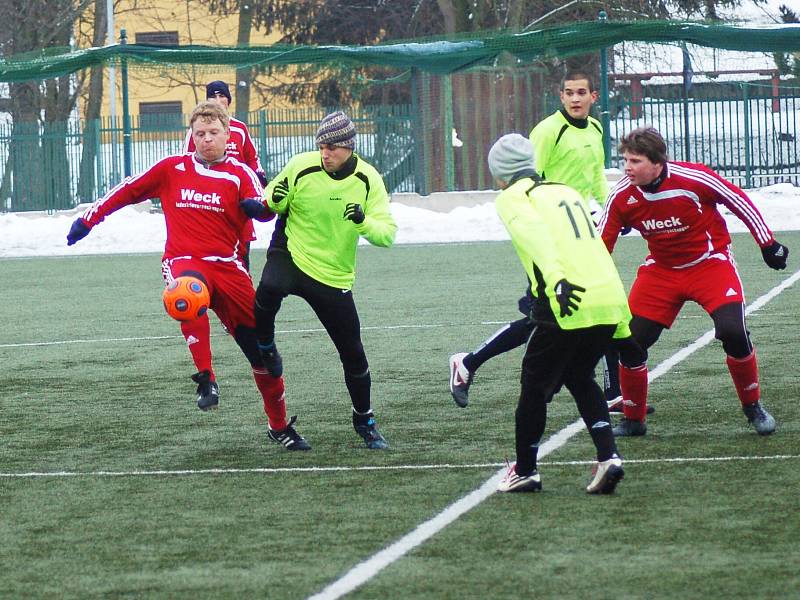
[[511, 482], [607, 474], [460, 379]]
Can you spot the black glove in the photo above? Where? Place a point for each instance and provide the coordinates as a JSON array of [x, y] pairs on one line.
[[354, 212], [77, 231], [567, 297], [280, 191], [262, 177], [252, 208], [775, 255]]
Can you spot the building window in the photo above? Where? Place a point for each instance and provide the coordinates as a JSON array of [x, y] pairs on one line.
[[161, 116], [158, 38]]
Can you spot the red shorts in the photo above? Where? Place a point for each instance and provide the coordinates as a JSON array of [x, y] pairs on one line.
[[229, 285], [658, 293]]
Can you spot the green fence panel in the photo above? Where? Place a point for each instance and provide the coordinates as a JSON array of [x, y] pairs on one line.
[[748, 132]]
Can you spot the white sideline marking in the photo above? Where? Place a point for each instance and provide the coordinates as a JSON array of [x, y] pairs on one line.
[[366, 570], [446, 466], [308, 330]]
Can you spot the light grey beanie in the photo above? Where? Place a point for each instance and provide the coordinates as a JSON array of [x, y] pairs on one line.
[[509, 155]]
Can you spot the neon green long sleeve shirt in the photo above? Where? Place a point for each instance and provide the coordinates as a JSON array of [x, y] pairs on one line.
[[571, 155], [322, 242], [555, 239]]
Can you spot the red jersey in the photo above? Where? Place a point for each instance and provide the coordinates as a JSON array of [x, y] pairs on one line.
[[200, 204], [680, 219], [240, 145]]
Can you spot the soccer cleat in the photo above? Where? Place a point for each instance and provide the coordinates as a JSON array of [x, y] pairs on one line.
[[512, 482], [288, 437], [366, 428], [760, 419], [606, 476], [615, 406], [629, 428], [207, 391], [460, 379], [272, 359]]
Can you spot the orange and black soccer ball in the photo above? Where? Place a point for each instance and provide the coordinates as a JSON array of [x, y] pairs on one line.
[[186, 298]]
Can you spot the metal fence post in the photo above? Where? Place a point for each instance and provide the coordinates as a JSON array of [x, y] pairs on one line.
[[605, 115], [748, 148], [449, 167], [126, 113]]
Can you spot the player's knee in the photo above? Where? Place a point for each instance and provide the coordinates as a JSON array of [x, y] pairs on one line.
[[631, 354], [267, 295]]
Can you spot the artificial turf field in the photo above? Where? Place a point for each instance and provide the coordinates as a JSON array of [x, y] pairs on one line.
[[114, 485]]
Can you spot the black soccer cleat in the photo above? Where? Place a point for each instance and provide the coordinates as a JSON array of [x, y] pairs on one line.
[[288, 437], [365, 427], [207, 391], [629, 428], [760, 419]]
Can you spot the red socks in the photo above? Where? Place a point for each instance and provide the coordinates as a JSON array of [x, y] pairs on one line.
[[197, 334], [272, 391], [633, 383], [744, 372]]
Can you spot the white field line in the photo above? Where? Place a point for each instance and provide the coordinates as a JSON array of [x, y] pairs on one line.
[[286, 331], [366, 570], [440, 467], [309, 330]]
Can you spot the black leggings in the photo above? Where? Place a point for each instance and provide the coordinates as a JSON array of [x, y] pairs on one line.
[[334, 307]]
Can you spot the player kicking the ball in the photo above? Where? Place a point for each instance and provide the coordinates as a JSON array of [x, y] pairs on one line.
[[201, 194]]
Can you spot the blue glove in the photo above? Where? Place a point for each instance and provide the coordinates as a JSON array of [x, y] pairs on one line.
[[354, 212], [252, 208], [625, 230], [262, 177], [77, 231]]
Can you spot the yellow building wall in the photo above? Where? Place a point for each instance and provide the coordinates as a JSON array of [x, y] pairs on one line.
[[182, 83]]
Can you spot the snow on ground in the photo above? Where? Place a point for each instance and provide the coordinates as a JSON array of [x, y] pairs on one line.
[[134, 229]]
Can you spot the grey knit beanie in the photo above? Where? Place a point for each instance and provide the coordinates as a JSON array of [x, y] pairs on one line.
[[509, 155], [337, 129]]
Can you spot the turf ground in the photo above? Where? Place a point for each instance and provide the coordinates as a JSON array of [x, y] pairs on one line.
[[113, 484]]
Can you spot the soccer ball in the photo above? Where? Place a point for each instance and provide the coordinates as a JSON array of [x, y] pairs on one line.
[[186, 298]]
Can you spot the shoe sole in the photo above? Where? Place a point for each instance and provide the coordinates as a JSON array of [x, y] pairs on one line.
[[609, 482], [763, 431], [526, 487], [213, 406], [294, 447]]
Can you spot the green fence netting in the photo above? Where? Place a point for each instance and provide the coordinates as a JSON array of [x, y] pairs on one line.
[[435, 56], [450, 99]]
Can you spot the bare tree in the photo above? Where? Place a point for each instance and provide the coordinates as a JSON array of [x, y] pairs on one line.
[[39, 163]]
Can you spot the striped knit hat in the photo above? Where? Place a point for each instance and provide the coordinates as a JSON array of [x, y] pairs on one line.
[[337, 130]]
